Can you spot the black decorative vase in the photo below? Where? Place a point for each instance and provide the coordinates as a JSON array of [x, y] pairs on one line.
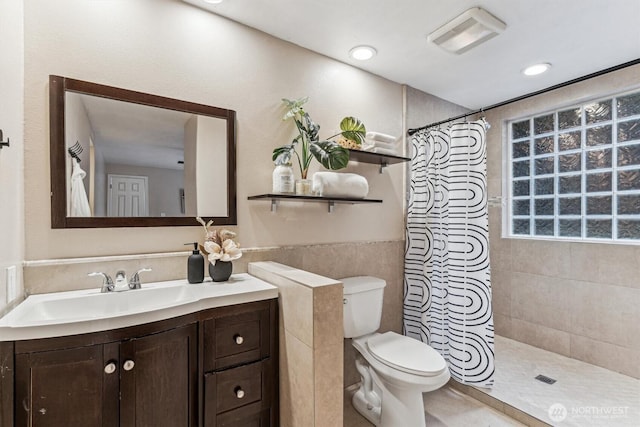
[[220, 271]]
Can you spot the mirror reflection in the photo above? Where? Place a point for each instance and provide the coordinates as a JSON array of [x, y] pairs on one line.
[[137, 159]]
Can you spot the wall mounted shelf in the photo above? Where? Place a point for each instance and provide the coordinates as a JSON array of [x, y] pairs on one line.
[[383, 160], [331, 201]]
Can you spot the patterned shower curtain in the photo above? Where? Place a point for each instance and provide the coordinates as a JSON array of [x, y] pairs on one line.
[[447, 287]]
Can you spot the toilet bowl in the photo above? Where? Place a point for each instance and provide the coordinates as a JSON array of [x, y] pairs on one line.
[[395, 370]]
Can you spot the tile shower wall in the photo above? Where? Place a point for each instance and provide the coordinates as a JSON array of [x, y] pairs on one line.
[[581, 300]]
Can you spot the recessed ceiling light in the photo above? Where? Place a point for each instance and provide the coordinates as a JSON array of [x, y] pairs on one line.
[[213, 1], [536, 69], [362, 53]]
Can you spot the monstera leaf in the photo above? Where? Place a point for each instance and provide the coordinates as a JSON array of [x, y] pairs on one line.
[[331, 155], [282, 155], [353, 129]]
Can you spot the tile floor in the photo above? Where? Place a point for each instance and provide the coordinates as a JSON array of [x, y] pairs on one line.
[[445, 407], [583, 395]]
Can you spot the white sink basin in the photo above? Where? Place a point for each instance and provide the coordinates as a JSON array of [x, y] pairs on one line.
[[74, 312], [66, 308]]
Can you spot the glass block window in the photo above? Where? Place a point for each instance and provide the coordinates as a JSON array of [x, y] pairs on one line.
[[575, 172]]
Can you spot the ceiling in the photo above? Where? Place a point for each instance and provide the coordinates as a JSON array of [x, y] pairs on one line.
[[135, 134], [577, 37]]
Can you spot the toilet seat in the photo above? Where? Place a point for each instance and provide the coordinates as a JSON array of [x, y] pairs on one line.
[[406, 354]]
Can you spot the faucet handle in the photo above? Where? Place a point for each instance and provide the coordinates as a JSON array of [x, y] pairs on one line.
[[134, 282], [107, 283]]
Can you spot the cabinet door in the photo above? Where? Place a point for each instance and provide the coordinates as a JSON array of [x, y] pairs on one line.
[[158, 381], [65, 388]]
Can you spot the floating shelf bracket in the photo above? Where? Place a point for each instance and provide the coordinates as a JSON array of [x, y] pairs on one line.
[[2, 142], [330, 204], [382, 166]]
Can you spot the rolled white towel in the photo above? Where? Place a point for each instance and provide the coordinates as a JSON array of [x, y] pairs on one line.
[[334, 184], [382, 137]]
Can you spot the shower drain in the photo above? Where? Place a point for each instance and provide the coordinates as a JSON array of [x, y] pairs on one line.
[[545, 379]]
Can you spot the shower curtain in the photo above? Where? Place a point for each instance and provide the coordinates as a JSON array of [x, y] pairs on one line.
[[447, 288]]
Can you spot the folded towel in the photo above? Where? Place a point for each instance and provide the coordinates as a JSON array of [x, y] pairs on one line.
[[382, 137], [373, 143], [334, 184]]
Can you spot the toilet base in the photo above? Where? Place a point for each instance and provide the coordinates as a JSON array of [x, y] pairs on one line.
[[401, 406], [398, 408], [364, 408]]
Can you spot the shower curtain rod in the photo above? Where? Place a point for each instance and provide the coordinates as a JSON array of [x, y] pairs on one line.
[[528, 95]]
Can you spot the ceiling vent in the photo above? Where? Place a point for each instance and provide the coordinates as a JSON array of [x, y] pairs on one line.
[[467, 31]]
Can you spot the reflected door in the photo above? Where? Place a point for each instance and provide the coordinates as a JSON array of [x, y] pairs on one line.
[[128, 196]]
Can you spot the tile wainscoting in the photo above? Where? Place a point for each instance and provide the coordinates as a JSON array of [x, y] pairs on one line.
[[382, 259]]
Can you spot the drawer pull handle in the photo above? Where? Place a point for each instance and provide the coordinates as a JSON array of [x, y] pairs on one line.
[[238, 339], [239, 392], [128, 365], [110, 368]]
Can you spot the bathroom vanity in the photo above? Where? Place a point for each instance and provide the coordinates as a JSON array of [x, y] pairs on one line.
[[212, 361]]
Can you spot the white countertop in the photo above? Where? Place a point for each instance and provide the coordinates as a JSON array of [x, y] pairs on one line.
[[85, 311]]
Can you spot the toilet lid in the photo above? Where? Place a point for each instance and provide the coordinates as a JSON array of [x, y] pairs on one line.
[[406, 354]]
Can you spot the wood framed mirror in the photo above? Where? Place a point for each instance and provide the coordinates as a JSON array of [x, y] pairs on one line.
[[121, 158]]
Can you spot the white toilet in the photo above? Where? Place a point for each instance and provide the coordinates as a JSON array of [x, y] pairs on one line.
[[395, 369]]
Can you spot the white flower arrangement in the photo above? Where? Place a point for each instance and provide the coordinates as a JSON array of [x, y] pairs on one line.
[[219, 244]]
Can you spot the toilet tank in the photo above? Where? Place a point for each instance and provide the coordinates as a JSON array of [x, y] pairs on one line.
[[362, 305]]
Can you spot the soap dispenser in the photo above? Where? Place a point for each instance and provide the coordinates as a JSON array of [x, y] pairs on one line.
[[195, 265]]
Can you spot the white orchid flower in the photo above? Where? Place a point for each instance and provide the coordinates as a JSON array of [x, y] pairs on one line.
[[229, 251], [212, 248]]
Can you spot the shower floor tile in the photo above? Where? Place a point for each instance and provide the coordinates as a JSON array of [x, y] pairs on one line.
[[583, 394], [445, 407]]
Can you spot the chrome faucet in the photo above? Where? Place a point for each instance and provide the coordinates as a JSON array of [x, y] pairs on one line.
[[134, 282], [107, 282], [121, 283]]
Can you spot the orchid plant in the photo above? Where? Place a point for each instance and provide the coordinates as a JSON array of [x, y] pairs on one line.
[[219, 244]]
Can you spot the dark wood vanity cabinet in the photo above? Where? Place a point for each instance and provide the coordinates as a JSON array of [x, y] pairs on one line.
[[148, 380], [217, 368]]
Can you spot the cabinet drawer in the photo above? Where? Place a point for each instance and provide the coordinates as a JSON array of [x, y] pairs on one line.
[[246, 417], [236, 339], [240, 396], [238, 387]]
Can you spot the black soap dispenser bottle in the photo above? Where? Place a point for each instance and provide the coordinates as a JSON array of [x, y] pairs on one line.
[[195, 265]]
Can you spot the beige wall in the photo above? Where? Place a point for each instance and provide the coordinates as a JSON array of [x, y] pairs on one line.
[[577, 299], [11, 158], [423, 109], [169, 48]]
